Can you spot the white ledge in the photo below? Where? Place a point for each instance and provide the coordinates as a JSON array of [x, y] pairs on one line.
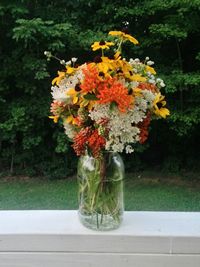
[[60, 232]]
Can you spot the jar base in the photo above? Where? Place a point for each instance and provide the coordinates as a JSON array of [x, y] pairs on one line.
[[100, 222]]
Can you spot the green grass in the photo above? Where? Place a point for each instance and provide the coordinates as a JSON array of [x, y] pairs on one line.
[[140, 194]]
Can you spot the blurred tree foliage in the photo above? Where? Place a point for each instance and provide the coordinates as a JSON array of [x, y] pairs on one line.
[[169, 34]]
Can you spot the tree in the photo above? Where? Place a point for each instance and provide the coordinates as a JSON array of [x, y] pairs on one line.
[[167, 32]]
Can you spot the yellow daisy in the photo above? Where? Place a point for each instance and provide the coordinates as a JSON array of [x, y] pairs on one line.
[[158, 106], [55, 118], [137, 92], [137, 78], [87, 103], [70, 70], [101, 45], [70, 119], [105, 65], [61, 75], [124, 36], [73, 94], [150, 69]]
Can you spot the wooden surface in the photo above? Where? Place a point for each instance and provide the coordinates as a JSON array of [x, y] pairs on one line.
[[57, 238]]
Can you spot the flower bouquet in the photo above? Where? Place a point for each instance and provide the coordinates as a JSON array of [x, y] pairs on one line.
[[106, 106]]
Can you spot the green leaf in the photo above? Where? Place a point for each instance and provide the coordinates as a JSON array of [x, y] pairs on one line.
[[90, 96], [113, 105]]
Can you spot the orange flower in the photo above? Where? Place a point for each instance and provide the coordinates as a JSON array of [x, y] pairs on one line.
[[89, 137], [57, 107], [80, 140], [113, 91], [78, 121], [96, 142], [91, 79], [148, 86], [144, 128]]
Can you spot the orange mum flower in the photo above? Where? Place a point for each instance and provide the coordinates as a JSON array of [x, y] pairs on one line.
[[113, 91], [57, 107], [91, 79], [148, 86], [80, 140], [96, 142], [144, 128], [91, 138]]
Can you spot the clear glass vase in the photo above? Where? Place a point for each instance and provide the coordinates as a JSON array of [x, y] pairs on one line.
[[101, 203]]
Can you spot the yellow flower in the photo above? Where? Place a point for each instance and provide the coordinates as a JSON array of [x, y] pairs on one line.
[[122, 67], [158, 106], [105, 65], [87, 103], [138, 78], [70, 119], [55, 118], [101, 45], [124, 36], [61, 75], [137, 92], [70, 70], [117, 55], [73, 94], [79, 99], [150, 69]]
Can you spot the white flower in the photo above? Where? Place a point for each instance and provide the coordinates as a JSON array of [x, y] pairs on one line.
[[151, 81], [131, 61], [134, 84], [60, 94], [137, 60], [150, 63], [69, 130], [149, 97], [47, 53], [147, 58], [122, 126], [129, 149], [68, 63], [149, 73], [162, 84], [62, 62], [74, 59]]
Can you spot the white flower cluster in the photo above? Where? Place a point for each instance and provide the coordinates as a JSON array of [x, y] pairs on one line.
[[59, 92], [138, 67], [123, 129], [69, 130], [68, 63]]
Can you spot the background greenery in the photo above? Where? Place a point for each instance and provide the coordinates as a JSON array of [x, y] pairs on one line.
[[169, 34]]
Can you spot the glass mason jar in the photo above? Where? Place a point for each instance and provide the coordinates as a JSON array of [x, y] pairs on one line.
[[101, 203]]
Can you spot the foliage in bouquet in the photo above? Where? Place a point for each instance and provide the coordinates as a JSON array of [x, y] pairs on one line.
[[108, 103]]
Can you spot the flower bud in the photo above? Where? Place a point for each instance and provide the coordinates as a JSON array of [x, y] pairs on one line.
[[150, 63], [74, 59], [62, 62], [47, 53]]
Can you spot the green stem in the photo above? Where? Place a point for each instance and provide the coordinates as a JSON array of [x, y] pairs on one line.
[[97, 216], [120, 44], [101, 216]]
